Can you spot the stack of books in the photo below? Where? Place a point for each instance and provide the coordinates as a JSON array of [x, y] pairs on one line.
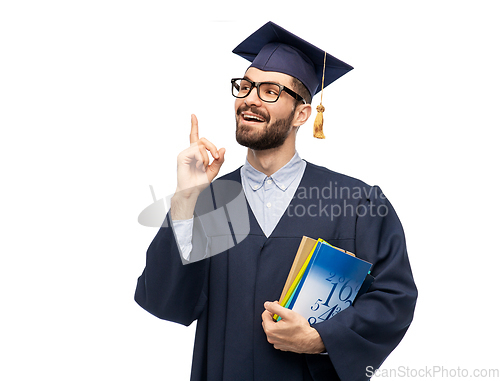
[[323, 280]]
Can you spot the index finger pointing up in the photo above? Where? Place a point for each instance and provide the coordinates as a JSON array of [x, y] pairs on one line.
[[193, 137]]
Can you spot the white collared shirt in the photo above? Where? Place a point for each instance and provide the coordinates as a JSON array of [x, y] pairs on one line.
[[269, 197]]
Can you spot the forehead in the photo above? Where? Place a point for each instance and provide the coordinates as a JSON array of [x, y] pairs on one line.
[[257, 75]]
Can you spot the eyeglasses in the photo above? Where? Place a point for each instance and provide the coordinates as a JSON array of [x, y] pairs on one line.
[[267, 91]]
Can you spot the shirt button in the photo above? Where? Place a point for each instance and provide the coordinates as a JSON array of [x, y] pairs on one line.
[[255, 186], [269, 181], [268, 204]]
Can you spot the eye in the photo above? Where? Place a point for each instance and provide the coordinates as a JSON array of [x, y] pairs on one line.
[[270, 89], [245, 85]]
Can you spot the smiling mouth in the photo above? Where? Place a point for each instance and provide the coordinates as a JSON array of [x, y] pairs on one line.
[[252, 117]]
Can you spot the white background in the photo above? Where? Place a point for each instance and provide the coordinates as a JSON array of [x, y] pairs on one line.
[[95, 101]]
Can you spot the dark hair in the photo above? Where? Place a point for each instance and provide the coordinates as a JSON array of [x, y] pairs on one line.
[[300, 89]]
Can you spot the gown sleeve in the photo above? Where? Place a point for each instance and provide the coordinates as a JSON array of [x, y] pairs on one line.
[[170, 287], [175, 287], [364, 334]]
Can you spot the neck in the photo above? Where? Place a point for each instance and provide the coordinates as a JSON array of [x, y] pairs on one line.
[[271, 160]]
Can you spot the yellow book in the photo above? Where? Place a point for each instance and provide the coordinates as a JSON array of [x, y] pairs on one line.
[[299, 265], [305, 248]]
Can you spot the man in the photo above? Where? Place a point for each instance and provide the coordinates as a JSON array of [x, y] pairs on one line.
[[230, 290]]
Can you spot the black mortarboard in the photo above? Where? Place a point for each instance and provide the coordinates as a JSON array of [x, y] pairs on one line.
[[272, 48]]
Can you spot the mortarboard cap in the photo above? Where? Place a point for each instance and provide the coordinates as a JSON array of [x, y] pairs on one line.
[[272, 48]]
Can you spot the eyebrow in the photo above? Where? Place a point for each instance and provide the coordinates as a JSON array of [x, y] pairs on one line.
[[248, 79]]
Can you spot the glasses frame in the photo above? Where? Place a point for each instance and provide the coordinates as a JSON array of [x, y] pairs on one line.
[[257, 85]]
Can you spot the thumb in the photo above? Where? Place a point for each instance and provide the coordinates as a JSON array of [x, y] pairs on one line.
[[276, 309], [214, 167]]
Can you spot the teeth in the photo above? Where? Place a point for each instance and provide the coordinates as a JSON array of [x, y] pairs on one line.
[[253, 117]]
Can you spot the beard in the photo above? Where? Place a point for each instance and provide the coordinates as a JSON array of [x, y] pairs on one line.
[[272, 137]]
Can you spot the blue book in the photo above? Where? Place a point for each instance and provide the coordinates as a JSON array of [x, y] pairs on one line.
[[329, 285]]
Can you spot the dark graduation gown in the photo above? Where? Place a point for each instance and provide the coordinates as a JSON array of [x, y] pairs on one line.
[[226, 292]]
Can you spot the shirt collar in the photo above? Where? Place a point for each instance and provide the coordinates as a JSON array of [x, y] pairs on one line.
[[283, 177]]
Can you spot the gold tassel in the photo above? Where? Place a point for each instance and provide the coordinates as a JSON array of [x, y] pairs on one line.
[[318, 123]]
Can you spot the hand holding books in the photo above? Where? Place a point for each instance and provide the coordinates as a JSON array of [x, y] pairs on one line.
[[292, 333]]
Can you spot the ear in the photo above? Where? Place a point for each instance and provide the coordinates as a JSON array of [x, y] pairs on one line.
[[302, 113]]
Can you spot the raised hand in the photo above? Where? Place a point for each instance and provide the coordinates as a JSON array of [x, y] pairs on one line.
[[194, 172]]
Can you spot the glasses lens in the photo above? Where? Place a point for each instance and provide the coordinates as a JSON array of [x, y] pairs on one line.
[[241, 88], [269, 92]]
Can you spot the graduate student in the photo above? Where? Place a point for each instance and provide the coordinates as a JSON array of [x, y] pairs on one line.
[[223, 254]]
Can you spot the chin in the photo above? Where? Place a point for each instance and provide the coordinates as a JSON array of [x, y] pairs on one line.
[[260, 142]]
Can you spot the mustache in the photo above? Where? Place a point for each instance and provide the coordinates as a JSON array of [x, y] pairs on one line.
[[253, 110]]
